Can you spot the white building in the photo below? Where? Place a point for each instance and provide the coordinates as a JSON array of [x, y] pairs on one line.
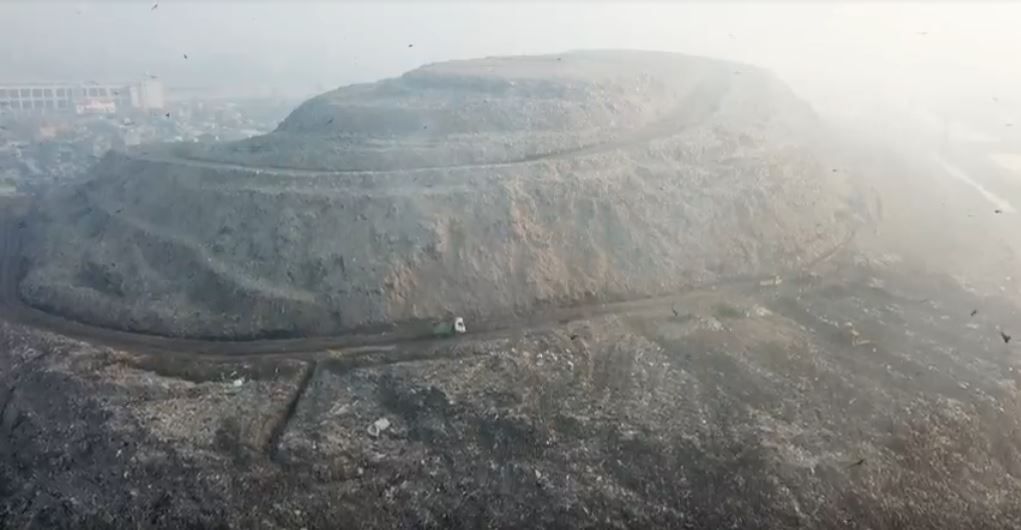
[[81, 98]]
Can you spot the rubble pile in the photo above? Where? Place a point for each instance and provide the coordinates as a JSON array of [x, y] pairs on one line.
[[474, 188]]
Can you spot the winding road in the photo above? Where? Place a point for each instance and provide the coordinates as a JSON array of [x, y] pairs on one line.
[[392, 345]]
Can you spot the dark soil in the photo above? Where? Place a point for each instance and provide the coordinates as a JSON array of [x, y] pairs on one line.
[[866, 398]]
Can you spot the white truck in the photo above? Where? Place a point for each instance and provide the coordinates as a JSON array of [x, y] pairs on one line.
[[450, 328]]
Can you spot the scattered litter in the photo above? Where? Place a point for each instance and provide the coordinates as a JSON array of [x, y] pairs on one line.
[[1005, 337], [339, 409], [378, 427], [712, 324]]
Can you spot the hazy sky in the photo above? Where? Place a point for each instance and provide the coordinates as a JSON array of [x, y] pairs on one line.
[[937, 51]]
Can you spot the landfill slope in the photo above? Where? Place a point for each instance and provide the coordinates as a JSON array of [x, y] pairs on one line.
[[478, 188]]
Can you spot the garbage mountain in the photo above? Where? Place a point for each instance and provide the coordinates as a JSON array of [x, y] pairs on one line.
[[479, 188]]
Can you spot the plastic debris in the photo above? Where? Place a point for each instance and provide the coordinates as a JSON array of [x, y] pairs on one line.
[[378, 427]]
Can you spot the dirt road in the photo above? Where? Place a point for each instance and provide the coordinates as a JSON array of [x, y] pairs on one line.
[[394, 343]]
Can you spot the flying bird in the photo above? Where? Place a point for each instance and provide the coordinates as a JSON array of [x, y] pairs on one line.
[[154, 6], [186, 56], [1005, 337], [167, 114], [974, 312], [410, 45], [858, 463]]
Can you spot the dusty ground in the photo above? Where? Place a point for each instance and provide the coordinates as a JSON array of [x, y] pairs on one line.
[[868, 399]]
